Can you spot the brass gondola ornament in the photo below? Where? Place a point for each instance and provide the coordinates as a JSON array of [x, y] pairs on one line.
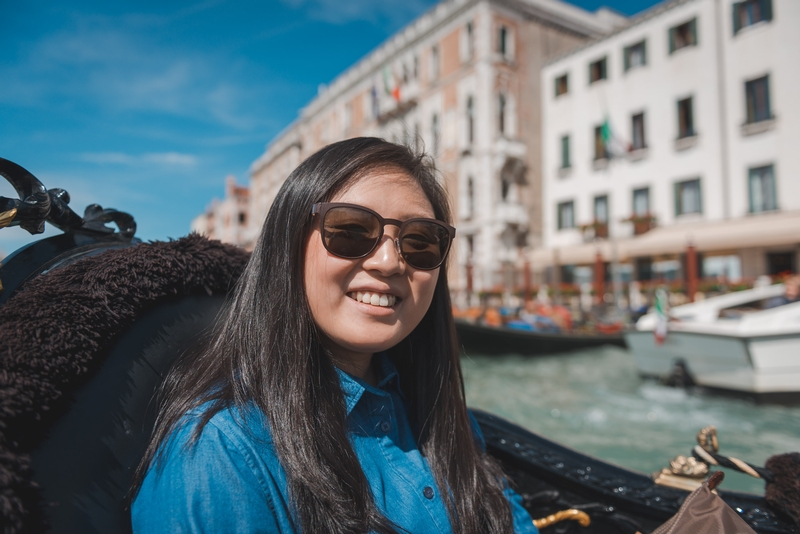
[[7, 216], [564, 515]]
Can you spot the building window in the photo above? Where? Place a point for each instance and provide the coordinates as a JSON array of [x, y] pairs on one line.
[[470, 120], [601, 209], [635, 55], [565, 156], [405, 73], [597, 71], [762, 189], [435, 133], [242, 217], [566, 215], [415, 71], [750, 12], [683, 35], [688, 198], [637, 132], [562, 85], [434, 62], [685, 118], [505, 44], [417, 138], [600, 147], [470, 41], [501, 113], [757, 95], [470, 197], [641, 201]]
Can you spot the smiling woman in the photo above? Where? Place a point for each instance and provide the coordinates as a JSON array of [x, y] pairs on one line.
[[329, 397]]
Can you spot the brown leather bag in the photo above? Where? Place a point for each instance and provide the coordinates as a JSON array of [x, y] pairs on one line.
[[704, 512]]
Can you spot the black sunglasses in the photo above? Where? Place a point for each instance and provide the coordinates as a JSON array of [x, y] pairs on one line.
[[352, 231]]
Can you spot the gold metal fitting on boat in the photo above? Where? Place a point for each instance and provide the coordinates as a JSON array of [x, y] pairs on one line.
[[7, 216], [564, 515], [685, 473], [688, 466], [707, 438]]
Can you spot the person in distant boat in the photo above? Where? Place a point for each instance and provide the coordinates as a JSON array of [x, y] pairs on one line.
[[791, 293], [330, 396]]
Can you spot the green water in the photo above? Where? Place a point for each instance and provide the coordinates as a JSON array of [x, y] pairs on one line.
[[595, 402]]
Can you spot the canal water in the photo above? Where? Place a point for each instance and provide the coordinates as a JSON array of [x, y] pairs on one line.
[[595, 402]]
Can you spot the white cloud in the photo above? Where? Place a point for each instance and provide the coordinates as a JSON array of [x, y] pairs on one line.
[[171, 158], [120, 66], [174, 159], [343, 11]]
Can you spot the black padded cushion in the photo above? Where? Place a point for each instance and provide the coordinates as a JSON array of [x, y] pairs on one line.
[[58, 330]]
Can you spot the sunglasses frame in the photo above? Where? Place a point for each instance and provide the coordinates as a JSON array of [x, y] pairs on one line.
[[321, 209]]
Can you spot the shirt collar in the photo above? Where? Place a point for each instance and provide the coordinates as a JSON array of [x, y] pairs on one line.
[[354, 388]]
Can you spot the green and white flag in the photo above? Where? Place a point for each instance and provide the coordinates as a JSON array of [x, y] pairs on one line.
[[615, 146], [662, 316]]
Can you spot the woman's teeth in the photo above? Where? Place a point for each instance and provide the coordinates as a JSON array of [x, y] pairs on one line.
[[375, 299]]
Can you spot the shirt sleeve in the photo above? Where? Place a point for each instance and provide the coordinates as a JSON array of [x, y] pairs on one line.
[[209, 486], [523, 524]]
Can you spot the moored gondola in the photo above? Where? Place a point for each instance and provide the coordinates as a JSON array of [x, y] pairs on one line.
[[481, 339], [89, 323]]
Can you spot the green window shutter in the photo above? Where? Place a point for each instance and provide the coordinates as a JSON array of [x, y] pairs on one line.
[[766, 97], [644, 52], [676, 192], [671, 37], [693, 26], [767, 5], [699, 196], [737, 20], [626, 53]]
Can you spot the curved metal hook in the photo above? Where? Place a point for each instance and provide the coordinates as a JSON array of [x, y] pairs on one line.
[[37, 205], [33, 203]]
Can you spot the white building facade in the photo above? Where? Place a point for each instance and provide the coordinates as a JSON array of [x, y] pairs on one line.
[[684, 121], [464, 80]]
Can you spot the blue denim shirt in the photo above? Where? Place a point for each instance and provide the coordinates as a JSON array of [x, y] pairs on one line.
[[231, 479]]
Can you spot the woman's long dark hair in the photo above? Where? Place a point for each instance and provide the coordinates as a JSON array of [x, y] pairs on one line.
[[265, 351]]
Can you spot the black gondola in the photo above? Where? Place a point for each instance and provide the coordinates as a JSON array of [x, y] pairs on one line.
[[91, 319], [480, 339]]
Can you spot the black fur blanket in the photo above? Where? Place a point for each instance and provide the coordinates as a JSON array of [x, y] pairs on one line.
[[56, 330]]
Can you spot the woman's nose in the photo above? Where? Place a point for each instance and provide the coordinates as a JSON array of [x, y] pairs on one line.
[[386, 257]]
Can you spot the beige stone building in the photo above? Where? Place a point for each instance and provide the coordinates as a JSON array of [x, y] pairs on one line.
[[226, 219], [463, 80]]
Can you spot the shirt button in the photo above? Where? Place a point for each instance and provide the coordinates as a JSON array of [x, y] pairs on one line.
[[386, 426], [428, 492]]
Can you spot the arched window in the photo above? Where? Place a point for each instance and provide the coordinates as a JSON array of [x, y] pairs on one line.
[[502, 45], [470, 120]]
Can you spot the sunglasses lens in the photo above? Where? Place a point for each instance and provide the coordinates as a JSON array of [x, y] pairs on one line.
[[424, 244], [350, 232]]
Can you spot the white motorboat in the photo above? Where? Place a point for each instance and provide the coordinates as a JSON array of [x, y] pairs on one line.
[[727, 343]]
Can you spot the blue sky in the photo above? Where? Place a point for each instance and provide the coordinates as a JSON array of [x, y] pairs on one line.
[[146, 106]]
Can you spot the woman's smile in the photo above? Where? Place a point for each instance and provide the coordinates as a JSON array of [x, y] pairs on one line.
[[374, 298]]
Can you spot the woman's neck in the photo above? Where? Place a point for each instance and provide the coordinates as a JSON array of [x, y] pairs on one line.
[[358, 365]]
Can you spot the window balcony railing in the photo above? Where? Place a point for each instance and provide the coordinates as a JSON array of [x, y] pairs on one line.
[[641, 223], [594, 230]]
